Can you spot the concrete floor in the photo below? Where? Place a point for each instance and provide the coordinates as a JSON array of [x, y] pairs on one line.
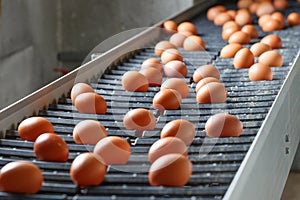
[[292, 187]]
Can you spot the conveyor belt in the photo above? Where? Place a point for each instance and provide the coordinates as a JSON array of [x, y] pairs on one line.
[[215, 160]]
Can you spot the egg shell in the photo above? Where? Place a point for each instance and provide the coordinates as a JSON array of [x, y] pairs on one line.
[[170, 170], [51, 147], [273, 41], [280, 17], [222, 18], [205, 71], [223, 125], [176, 84], [20, 177], [135, 82], [88, 132], [258, 48], [271, 25], [177, 39], [265, 7], [243, 17], [153, 75], [175, 69], [152, 62], [180, 128], [171, 54], [86, 170], [229, 24], [293, 19], [230, 50], [90, 103], [214, 11], [80, 88], [170, 26], [226, 33], [32, 127], [139, 119], [244, 58], [204, 81], [280, 4], [212, 92], [263, 19], [239, 37], [165, 146], [194, 43], [167, 99], [161, 46], [259, 72], [271, 58], [251, 30], [187, 26], [112, 150]]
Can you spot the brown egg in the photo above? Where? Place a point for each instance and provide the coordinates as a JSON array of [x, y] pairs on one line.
[[244, 3], [253, 7], [251, 30], [90, 103], [170, 170], [226, 33], [271, 58], [176, 84], [166, 146], [230, 50], [167, 99], [152, 62], [273, 41], [112, 150], [280, 17], [293, 19], [239, 37], [139, 119], [88, 132], [20, 177], [161, 46], [153, 75], [180, 128], [194, 43], [212, 92], [80, 88], [265, 7], [258, 48], [230, 24], [170, 26], [259, 72], [175, 69], [30, 128], [51, 147], [214, 11], [205, 71], [232, 13], [187, 27], [244, 58], [177, 39], [271, 25], [86, 170], [204, 81], [222, 18], [135, 82], [223, 125], [243, 17], [263, 19], [171, 54], [280, 4]]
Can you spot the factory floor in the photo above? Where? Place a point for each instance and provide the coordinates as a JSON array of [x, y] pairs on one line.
[[292, 187]]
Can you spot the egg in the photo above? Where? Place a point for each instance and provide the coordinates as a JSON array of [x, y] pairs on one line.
[[232, 13], [204, 81], [259, 71], [86, 170], [244, 58], [258, 48], [214, 11], [161, 46], [178, 38], [253, 7], [244, 3], [80, 88], [135, 82], [243, 17], [152, 62], [222, 18], [88, 132], [194, 43], [139, 119], [171, 54], [280, 4], [21, 177], [239, 37], [293, 19], [212, 92], [153, 75], [165, 146], [251, 30], [167, 99], [112, 150], [170, 26], [273, 41], [32, 127], [265, 7], [176, 84], [271, 25], [230, 50], [223, 125], [170, 170], [226, 33], [229, 24], [280, 17], [187, 26], [51, 147], [271, 58], [263, 19], [90, 103], [180, 128], [175, 68], [205, 71]]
